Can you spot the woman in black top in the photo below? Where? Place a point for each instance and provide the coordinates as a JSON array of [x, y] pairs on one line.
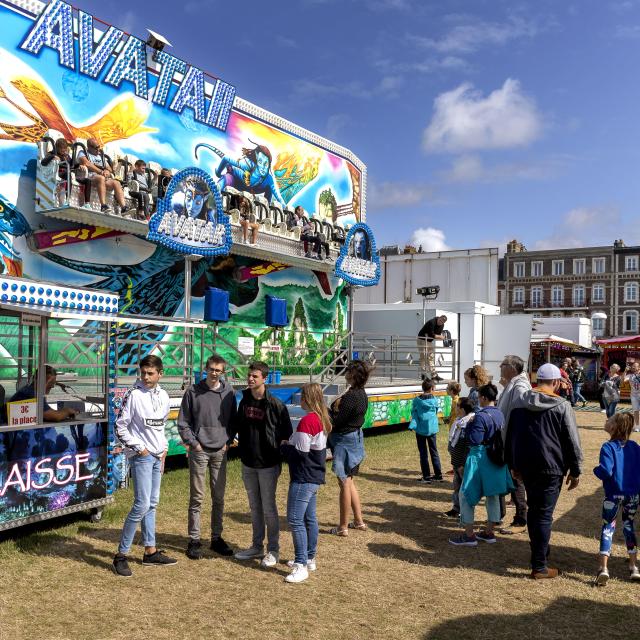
[[346, 442]]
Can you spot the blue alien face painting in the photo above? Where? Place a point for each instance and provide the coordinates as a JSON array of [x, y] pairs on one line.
[[262, 164], [193, 202]]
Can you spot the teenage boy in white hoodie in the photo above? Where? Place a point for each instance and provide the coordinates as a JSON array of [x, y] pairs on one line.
[[140, 428]]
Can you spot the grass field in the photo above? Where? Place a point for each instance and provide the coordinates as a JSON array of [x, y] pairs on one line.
[[398, 580]]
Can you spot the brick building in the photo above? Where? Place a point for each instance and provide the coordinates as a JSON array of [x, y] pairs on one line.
[[579, 282]]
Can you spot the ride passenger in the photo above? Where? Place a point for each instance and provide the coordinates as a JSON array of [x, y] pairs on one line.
[[248, 222], [141, 196]]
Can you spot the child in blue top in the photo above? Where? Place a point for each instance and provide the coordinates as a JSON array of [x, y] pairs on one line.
[[424, 421], [619, 470]]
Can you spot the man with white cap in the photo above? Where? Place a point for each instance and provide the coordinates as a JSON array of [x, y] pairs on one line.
[[542, 447]]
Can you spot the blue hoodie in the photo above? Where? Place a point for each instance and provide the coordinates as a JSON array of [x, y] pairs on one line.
[[424, 415], [619, 468]]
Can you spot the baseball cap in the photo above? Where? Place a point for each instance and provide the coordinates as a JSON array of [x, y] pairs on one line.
[[548, 371]]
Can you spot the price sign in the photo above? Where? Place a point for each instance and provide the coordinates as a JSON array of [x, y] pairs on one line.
[[22, 413]]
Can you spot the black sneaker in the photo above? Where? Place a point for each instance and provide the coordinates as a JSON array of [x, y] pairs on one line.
[[194, 551], [518, 522], [220, 546], [105, 208], [424, 480], [437, 479], [452, 513], [121, 566], [157, 559]]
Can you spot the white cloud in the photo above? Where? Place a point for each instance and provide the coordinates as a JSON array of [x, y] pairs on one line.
[[429, 239], [464, 120], [336, 123], [472, 34], [470, 168], [308, 89], [385, 195], [583, 227], [147, 146]]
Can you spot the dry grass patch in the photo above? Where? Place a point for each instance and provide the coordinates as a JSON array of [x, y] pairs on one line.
[[400, 579]]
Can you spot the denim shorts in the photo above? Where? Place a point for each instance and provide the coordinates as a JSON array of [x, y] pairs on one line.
[[348, 453]]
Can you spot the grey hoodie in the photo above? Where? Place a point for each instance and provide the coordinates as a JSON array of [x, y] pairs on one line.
[[206, 415], [542, 436], [511, 396]]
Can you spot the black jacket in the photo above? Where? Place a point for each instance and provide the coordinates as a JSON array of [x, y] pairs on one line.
[[262, 450], [542, 436]]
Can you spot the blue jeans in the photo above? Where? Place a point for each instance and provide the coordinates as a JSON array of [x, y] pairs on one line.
[[261, 485], [610, 407], [427, 445], [146, 472], [467, 512], [610, 508], [302, 519], [542, 495], [577, 395]]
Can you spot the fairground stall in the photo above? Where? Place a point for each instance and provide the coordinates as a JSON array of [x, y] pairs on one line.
[[621, 351], [58, 398], [124, 169], [551, 348]]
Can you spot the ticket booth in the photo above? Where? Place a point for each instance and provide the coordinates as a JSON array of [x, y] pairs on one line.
[[54, 418]]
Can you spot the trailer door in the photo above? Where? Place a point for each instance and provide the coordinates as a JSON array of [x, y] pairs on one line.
[[505, 335]]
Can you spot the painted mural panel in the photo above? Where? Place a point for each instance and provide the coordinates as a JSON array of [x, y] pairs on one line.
[[38, 93]]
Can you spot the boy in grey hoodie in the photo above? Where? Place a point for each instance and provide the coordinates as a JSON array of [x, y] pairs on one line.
[[140, 428], [205, 425]]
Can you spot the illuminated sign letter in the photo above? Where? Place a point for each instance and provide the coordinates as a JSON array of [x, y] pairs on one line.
[[92, 62], [131, 65], [191, 94], [57, 16], [221, 104], [170, 65]]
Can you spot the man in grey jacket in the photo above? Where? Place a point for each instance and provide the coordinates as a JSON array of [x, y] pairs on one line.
[[205, 424], [543, 446], [516, 384]]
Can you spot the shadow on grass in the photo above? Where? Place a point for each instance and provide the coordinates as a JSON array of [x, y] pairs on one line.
[[563, 618]]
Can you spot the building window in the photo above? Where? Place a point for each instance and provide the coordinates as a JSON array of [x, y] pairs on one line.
[[598, 265], [579, 267], [630, 322], [598, 327], [557, 267], [537, 315], [578, 295], [518, 295], [556, 314], [557, 295], [518, 269], [536, 269], [536, 296], [631, 292], [631, 263], [597, 293], [578, 315]]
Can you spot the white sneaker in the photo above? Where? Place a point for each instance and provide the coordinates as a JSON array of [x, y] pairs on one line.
[[602, 578], [311, 564], [299, 574], [603, 411], [634, 574], [270, 560], [637, 429], [249, 554]]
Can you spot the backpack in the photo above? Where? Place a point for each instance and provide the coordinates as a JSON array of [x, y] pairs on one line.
[[495, 448]]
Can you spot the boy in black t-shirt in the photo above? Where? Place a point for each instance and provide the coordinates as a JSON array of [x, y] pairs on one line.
[[262, 423]]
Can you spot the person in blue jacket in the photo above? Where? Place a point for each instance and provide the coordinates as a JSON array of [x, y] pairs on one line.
[[619, 470], [481, 477], [424, 421]]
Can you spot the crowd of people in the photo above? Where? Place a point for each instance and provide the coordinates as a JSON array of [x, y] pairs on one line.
[[208, 423], [523, 442]]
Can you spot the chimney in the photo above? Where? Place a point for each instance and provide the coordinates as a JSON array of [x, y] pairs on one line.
[[515, 247]]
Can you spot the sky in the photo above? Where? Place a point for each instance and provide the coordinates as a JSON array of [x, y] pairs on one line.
[[479, 121]]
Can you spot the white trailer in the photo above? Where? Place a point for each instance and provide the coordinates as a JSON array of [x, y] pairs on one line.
[[469, 274], [481, 335]]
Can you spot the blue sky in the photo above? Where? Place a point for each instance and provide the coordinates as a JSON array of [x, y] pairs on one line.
[[479, 121]]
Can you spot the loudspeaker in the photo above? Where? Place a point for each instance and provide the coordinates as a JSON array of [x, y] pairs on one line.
[[276, 312], [216, 305]]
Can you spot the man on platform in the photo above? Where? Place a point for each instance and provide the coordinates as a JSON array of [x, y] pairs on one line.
[[430, 332]]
